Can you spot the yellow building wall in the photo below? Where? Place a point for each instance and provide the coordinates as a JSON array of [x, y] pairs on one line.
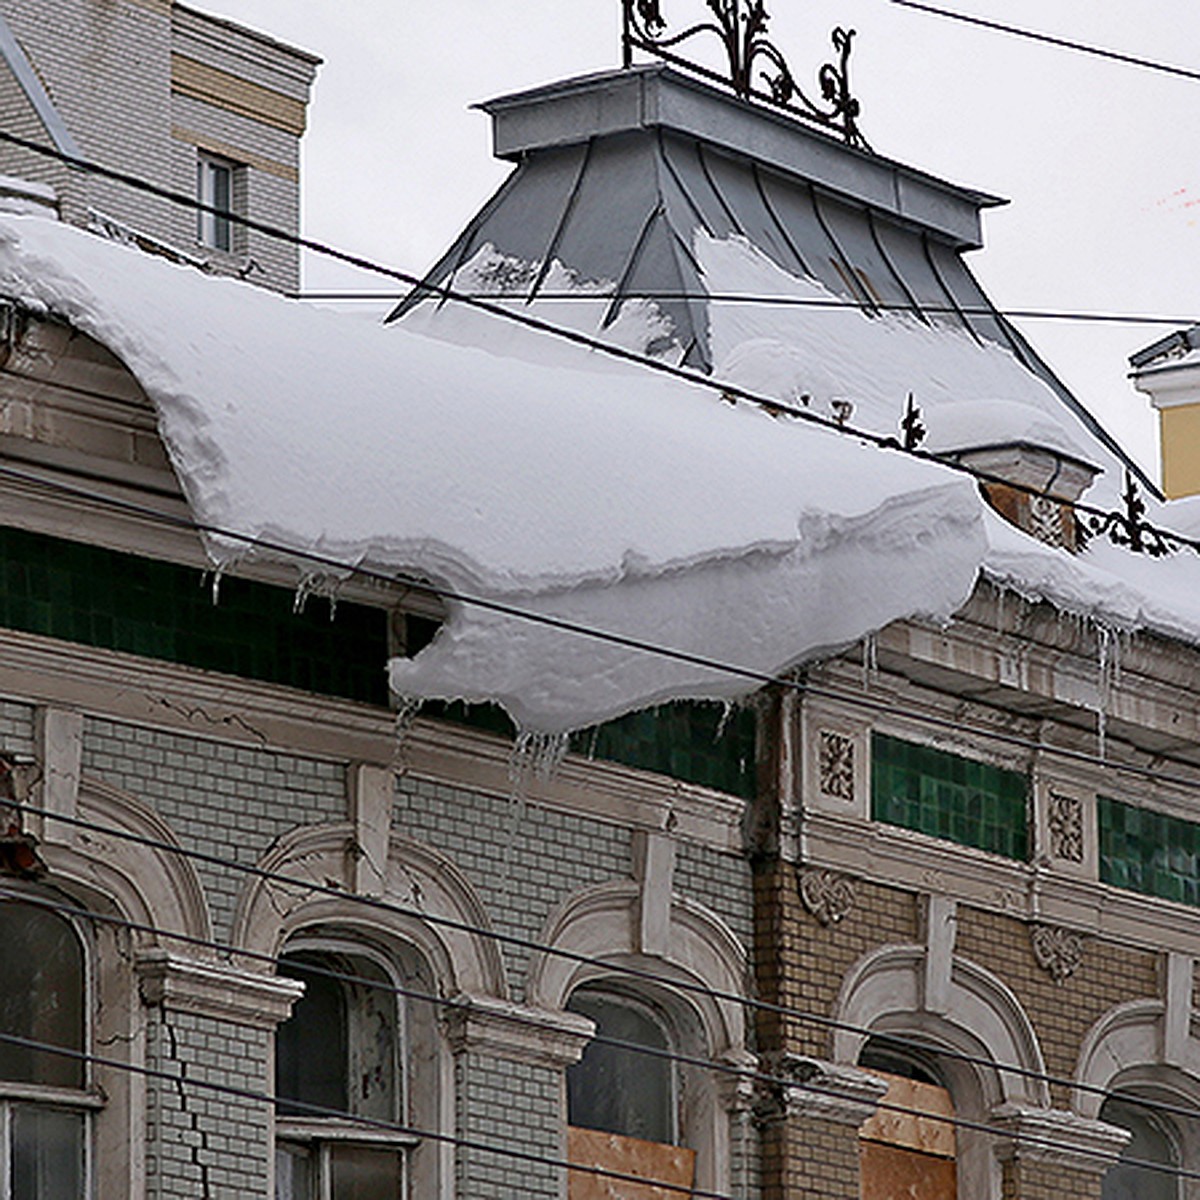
[[1180, 429]]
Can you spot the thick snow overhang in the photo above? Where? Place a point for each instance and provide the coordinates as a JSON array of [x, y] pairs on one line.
[[578, 491]]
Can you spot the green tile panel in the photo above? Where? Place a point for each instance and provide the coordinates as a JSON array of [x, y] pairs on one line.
[[947, 796], [696, 742], [98, 597], [1149, 852]]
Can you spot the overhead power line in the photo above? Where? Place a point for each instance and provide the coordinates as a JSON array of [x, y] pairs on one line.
[[623, 969], [776, 301], [1132, 60], [450, 1003]]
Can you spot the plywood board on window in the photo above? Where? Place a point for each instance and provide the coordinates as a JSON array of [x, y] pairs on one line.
[[670, 1165], [915, 1115], [893, 1173]]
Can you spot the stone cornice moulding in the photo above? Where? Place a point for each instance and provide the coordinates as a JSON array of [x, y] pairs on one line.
[[160, 695], [1056, 1136], [500, 1029], [212, 990], [902, 858], [827, 1091]]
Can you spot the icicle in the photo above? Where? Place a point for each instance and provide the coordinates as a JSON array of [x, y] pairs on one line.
[[333, 603], [727, 710], [536, 755], [1108, 672], [407, 709], [304, 589], [870, 661], [217, 576]]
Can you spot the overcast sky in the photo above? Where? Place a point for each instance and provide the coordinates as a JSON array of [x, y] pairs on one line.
[[1100, 160]]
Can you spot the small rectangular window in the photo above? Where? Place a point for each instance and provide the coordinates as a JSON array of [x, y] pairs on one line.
[[214, 189]]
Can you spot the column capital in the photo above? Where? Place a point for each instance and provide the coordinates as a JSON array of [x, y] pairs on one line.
[[1057, 1136]]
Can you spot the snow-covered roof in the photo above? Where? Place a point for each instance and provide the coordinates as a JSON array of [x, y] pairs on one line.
[[540, 477], [637, 191]]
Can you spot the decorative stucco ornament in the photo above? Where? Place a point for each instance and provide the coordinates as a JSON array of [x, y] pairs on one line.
[[826, 895], [1059, 951]]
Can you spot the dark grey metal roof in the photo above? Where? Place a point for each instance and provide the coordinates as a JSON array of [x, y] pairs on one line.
[[616, 173]]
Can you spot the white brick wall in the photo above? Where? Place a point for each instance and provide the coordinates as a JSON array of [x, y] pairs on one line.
[[508, 1104], [201, 1144], [16, 729]]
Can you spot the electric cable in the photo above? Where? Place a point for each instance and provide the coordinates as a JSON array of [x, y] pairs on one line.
[[724, 389], [795, 1085], [778, 301], [1061, 42], [231, 1091], [706, 991], [899, 1042], [785, 681]]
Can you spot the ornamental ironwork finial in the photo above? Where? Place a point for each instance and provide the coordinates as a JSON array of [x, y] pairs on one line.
[[757, 67]]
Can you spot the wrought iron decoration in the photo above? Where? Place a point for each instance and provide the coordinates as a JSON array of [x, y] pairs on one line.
[[741, 26]]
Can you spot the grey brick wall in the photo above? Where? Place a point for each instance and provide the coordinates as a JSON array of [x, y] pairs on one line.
[[203, 1145], [721, 882], [513, 1105], [231, 801], [16, 728], [524, 862]]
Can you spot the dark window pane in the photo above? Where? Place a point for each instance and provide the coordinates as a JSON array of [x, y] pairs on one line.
[[41, 995], [365, 1173], [1148, 1144], [47, 1153], [616, 1090], [310, 1047]]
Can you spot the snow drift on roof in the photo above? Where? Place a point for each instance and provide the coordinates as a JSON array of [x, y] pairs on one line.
[[583, 490]]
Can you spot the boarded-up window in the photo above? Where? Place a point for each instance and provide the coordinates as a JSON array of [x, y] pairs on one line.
[[621, 1106], [907, 1149]]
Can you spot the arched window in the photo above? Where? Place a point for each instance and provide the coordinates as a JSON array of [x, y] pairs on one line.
[[1150, 1142], [43, 1103], [623, 1105], [337, 1058], [908, 1148]]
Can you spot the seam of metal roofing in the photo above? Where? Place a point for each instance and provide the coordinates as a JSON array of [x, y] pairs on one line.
[[644, 97], [18, 62]]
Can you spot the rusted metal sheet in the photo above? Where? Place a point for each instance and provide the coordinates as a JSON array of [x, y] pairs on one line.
[[671, 1165], [894, 1173]]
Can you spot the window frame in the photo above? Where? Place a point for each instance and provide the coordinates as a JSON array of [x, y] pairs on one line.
[[322, 1134], [85, 1100], [215, 230], [662, 1022]]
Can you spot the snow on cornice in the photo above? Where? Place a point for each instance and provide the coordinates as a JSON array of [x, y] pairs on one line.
[[595, 494]]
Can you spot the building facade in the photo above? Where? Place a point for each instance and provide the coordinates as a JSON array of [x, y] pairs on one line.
[[917, 919], [187, 102]]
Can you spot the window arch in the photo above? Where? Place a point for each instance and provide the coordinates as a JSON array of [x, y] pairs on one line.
[[43, 1098]]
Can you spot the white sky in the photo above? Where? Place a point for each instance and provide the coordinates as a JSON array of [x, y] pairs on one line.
[[1100, 160]]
